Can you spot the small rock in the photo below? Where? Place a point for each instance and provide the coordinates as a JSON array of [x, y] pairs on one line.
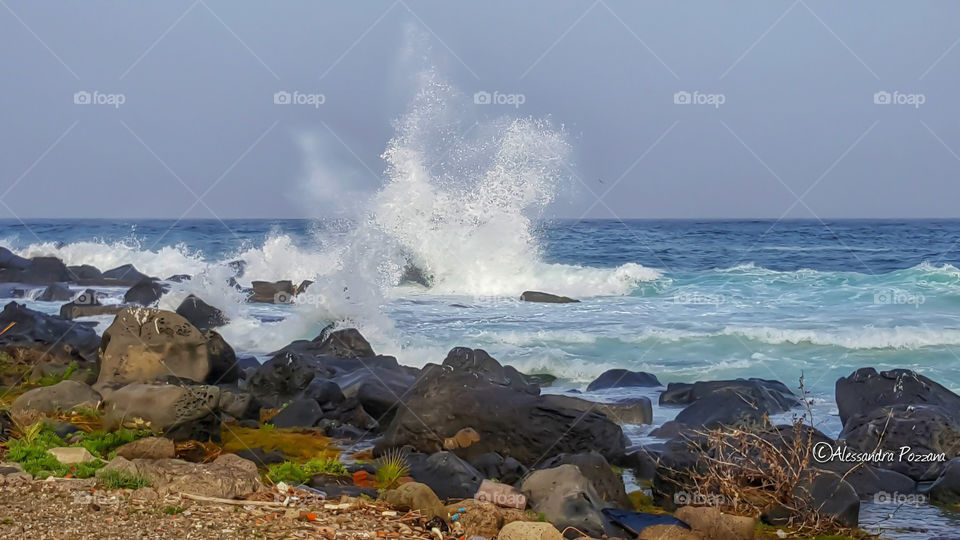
[[148, 448], [547, 298], [68, 455], [708, 520], [529, 530], [416, 496]]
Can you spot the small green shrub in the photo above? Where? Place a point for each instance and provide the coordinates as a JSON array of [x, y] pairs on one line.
[[391, 468], [50, 380], [31, 453], [102, 444], [293, 473], [114, 479], [172, 510]]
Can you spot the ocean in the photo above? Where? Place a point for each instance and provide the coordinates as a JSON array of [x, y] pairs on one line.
[[685, 300]]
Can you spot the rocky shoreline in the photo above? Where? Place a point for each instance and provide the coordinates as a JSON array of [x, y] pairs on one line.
[[334, 440]]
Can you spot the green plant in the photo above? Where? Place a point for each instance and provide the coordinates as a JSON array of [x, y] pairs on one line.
[[172, 510], [30, 451], [293, 473], [392, 466], [50, 380], [268, 427], [102, 444], [114, 479]]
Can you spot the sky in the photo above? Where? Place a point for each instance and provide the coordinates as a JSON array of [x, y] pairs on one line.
[[754, 109]]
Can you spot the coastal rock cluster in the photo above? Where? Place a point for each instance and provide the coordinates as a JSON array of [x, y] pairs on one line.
[[459, 424]]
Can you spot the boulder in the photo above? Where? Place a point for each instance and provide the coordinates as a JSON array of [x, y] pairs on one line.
[[38, 270], [201, 314], [502, 495], [56, 292], [33, 328], [302, 413], [126, 274], [922, 430], [345, 343], [180, 412], [567, 498], [447, 475], [865, 390], [69, 455], [279, 292], [714, 524], [529, 530], [946, 489], [63, 396], [771, 396], [224, 368], [11, 261], [227, 477], [416, 496], [146, 292], [74, 310], [472, 390], [148, 448], [85, 273], [143, 344], [378, 390], [635, 410], [608, 484], [668, 532], [824, 493], [547, 298], [496, 467], [623, 378], [283, 378]]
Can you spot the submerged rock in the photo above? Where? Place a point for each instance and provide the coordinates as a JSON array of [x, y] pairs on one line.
[[146, 292], [547, 298], [56, 292], [623, 378], [279, 292]]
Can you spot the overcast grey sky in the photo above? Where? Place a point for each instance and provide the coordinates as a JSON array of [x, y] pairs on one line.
[[798, 118]]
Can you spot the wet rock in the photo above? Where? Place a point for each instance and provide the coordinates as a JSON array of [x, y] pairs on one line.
[[567, 498], [922, 430], [472, 390], [84, 273], [280, 292], [126, 274], [32, 328], [56, 292], [635, 410], [63, 396], [495, 466], [622, 378], [772, 396], [261, 456], [594, 467], [299, 413], [547, 298], [865, 390], [38, 270], [825, 493], [179, 278], [223, 360], [143, 344], [946, 489], [227, 477], [447, 475], [201, 314], [146, 292], [148, 448], [345, 343]]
